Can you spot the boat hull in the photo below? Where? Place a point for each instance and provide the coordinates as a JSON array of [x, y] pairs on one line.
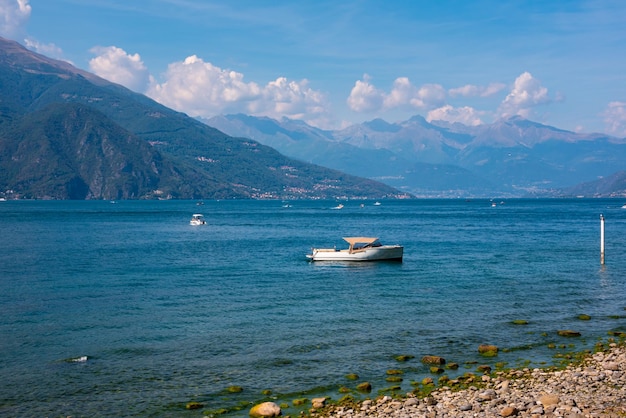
[[385, 252]]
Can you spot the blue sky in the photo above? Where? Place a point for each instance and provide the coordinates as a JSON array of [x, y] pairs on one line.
[[334, 63]]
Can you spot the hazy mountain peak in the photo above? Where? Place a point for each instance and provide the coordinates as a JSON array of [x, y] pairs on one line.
[[513, 155], [381, 125]]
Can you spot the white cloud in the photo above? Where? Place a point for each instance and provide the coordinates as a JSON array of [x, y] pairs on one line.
[[465, 115], [114, 64], [289, 98], [526, 94], [199, 88], [476, 91], [401, 94], [365, 97], [429, 96], [49, 50], [13, 17], [615, 118]]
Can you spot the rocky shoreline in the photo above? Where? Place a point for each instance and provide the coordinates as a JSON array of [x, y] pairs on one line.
[[595, 387]]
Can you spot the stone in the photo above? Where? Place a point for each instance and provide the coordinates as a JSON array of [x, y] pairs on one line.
[[487, 395], [504, 386], [427, 381], [265, 409], [430, 401], [549, 399], [364, 387], [411, 402], [318, 403], [465, 407], [433, 360], [568, 333], [537, 410], [488, 350], [194, 405], [508, 411], [484, 368]]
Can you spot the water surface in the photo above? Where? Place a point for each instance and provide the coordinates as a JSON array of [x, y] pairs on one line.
[[169, 313]]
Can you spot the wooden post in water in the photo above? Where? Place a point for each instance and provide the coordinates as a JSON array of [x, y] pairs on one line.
[[602, 239]]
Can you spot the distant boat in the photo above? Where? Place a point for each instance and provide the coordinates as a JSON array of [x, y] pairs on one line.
[[623, 206], [197, 219], [339, 206], [360, 249], [376, 203]]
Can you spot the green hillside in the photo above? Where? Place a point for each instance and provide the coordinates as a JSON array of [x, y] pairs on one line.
[[67, 134]]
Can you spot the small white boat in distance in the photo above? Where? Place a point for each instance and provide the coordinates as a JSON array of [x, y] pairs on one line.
[[360, 249], [339, 206], [197, 219]]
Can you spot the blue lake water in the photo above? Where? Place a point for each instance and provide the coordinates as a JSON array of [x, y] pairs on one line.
[[169, 313]]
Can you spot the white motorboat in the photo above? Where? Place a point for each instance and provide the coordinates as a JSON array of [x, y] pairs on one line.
[[360, 249], [197, 219]]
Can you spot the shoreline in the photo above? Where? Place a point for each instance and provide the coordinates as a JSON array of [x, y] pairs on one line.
[[590, 385]]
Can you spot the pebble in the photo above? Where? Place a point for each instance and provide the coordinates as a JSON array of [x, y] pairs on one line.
[[595, 388]]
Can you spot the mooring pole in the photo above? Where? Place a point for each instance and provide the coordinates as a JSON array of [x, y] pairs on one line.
[[602, 239]]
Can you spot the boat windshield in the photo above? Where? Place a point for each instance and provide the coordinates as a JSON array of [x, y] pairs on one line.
[[361, 245]]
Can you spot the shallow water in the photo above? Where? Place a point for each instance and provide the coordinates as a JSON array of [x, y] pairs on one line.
[[168, 313]]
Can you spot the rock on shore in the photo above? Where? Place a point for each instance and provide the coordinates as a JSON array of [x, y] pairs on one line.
[[594, 388]]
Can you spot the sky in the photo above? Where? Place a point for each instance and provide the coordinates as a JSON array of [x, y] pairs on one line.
[[333, 63]]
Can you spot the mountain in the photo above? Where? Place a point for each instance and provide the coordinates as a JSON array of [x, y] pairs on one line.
[[610, 186], [68, 134], [510, 157]]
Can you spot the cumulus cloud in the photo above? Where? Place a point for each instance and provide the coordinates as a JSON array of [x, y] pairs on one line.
[[470, 90], [615, 118], [114, 64], [365, 97], [13, 17], [295, 99], [465, 115], [526, 94], [202, 89]]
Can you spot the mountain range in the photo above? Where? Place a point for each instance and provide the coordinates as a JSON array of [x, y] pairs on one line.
[[67, 134], [512, 157]]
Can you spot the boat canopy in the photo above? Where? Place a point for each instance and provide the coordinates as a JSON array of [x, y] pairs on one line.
[[357, 243], [360, 240]]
